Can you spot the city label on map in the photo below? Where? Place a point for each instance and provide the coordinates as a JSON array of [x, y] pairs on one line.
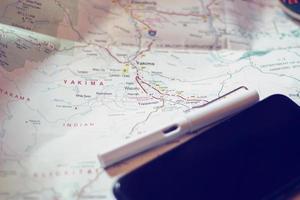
[[13, 95], [84, 82]]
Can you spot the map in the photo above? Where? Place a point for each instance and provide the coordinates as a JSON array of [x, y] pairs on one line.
[[78, 77]]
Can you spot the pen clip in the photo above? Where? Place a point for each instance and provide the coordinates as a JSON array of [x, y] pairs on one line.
[[217, 99]]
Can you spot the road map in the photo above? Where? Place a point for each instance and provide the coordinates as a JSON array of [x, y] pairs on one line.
[[80, 76]]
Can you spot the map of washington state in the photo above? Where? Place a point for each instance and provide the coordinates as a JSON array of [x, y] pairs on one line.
[[39, 16], [79, 77], [202, 24], [18, 45]]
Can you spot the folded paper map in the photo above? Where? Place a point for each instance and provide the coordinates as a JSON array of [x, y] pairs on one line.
[[79, 76]]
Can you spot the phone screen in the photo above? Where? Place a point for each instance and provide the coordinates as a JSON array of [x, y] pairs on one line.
[[253, 155]]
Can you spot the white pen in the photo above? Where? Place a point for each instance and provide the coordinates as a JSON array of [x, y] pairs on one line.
[[191, 121]]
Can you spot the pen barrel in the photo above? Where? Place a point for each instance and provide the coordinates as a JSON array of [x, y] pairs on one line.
[[181, 124], [145, 142], [225, 107]]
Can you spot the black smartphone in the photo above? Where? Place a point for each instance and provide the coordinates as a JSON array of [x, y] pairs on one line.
[[253, 155]]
